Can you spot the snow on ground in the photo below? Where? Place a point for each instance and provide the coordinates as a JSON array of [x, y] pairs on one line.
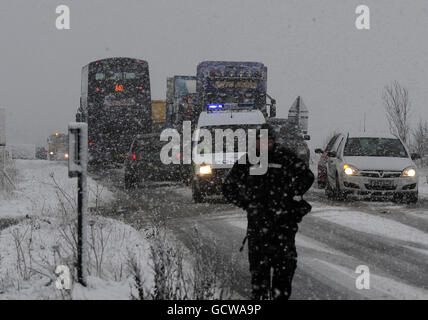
[[29, 274], [381, 287], [39, 184], [369, 223], [45, 237]]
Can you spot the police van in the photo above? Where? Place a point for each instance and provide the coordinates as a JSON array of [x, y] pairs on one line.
[[219, 141]]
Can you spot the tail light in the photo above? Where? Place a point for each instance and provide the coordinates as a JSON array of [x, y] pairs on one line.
[[98, 89], [140, 88], [132, 156]]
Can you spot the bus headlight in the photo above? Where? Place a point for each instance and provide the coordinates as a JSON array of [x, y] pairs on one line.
[[349, 170], [205, 169], [409, 172]]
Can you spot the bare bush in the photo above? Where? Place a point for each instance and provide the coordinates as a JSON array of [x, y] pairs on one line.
[[398, 110], [23, 242], [213, 274], [420, 138], [209, 275], [167, 263]]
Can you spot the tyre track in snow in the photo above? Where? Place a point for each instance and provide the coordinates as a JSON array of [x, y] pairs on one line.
[[386, 255], [418, 218]]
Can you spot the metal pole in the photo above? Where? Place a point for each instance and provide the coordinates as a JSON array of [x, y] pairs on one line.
[[82, 206], [80, 234], [81, 228], [77, 166]]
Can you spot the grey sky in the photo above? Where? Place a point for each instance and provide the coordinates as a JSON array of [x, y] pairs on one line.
[[311, 48]]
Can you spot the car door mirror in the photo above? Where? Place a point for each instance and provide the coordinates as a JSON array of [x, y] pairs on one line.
[[415, 156], [307, 137], [318, 150], [332, 154]]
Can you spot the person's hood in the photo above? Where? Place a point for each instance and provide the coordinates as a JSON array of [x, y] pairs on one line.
[[379, 163]]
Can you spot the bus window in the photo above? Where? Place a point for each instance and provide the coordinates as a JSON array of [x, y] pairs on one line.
[[100, 76], [129, 75], [115, 76]]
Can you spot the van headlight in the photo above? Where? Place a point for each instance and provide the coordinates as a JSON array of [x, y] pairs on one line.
[[205, 169], [350, 170], [409, 172]]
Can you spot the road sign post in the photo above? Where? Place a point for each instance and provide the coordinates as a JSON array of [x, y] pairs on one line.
[[77, 167]]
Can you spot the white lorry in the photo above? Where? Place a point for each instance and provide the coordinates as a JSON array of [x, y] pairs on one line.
[[211, 162]]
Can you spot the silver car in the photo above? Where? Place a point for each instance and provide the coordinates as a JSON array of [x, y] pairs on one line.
[[371, 165]]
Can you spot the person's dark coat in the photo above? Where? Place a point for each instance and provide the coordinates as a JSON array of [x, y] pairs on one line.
[[273, 215], [287, 176]]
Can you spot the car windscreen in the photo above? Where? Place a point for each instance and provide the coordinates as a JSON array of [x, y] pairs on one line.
[[374, 147]]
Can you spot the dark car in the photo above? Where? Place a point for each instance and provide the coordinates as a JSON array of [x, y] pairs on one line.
[[41, 153], [290, 136], [144, 164], [322, 163]]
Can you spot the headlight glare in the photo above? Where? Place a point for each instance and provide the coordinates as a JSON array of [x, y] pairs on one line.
[[409, 172], [349, 170], [205, 169]]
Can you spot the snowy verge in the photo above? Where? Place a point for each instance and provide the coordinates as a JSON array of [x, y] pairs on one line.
[[32, 250], [38, 186], [45, 237]]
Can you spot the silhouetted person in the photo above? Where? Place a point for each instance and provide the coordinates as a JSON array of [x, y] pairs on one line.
[[273, 215]]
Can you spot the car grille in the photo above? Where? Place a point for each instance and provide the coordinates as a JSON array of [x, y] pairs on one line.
[[380, 174]]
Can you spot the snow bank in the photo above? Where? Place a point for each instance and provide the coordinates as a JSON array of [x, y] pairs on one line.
[[31, 250], [31, 273], [39, 184]]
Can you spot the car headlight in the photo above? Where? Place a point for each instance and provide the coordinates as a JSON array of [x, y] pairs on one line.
[[409, 172], [205, 169], [66, 156], [350, 170]]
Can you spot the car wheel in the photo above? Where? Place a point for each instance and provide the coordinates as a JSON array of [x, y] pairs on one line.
[[340, 195], [329, 192], [321, 184], [197, 195], [411, 198]]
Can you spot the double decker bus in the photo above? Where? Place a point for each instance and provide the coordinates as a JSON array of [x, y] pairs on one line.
[[116, 103]]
